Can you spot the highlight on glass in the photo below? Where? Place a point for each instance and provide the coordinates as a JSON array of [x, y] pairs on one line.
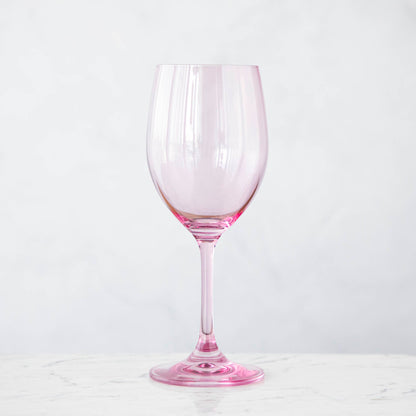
[[207, 152]]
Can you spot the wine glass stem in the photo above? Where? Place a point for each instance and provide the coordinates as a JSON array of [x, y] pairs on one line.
[[207, 257]]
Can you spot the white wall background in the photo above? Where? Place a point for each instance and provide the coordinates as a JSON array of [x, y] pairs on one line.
[[324, 260]]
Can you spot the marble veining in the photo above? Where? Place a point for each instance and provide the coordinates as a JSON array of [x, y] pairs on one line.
[[294, 385]]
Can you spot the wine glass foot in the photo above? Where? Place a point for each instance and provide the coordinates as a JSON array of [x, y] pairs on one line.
[[207, 373]]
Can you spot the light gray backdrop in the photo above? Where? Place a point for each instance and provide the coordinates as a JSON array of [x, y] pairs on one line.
[[324, 258]]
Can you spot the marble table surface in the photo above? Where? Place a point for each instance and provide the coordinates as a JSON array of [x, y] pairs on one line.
[[294, 385]]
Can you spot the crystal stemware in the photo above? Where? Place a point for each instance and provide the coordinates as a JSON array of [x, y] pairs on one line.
[[207, 151]]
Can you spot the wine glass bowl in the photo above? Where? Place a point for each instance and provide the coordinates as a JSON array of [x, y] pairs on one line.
[[207, 151], [207, 141]]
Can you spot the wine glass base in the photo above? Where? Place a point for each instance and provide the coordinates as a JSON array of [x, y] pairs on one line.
[[206, 373]]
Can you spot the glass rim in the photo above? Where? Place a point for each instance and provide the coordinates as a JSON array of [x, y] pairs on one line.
[[210, 65]]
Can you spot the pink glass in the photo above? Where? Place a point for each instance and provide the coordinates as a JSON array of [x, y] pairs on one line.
[[207, 151]]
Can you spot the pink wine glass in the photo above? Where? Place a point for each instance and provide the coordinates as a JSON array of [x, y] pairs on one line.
[[207, 151]]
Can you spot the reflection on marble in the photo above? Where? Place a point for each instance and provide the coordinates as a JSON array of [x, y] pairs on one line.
[[294, 385]]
